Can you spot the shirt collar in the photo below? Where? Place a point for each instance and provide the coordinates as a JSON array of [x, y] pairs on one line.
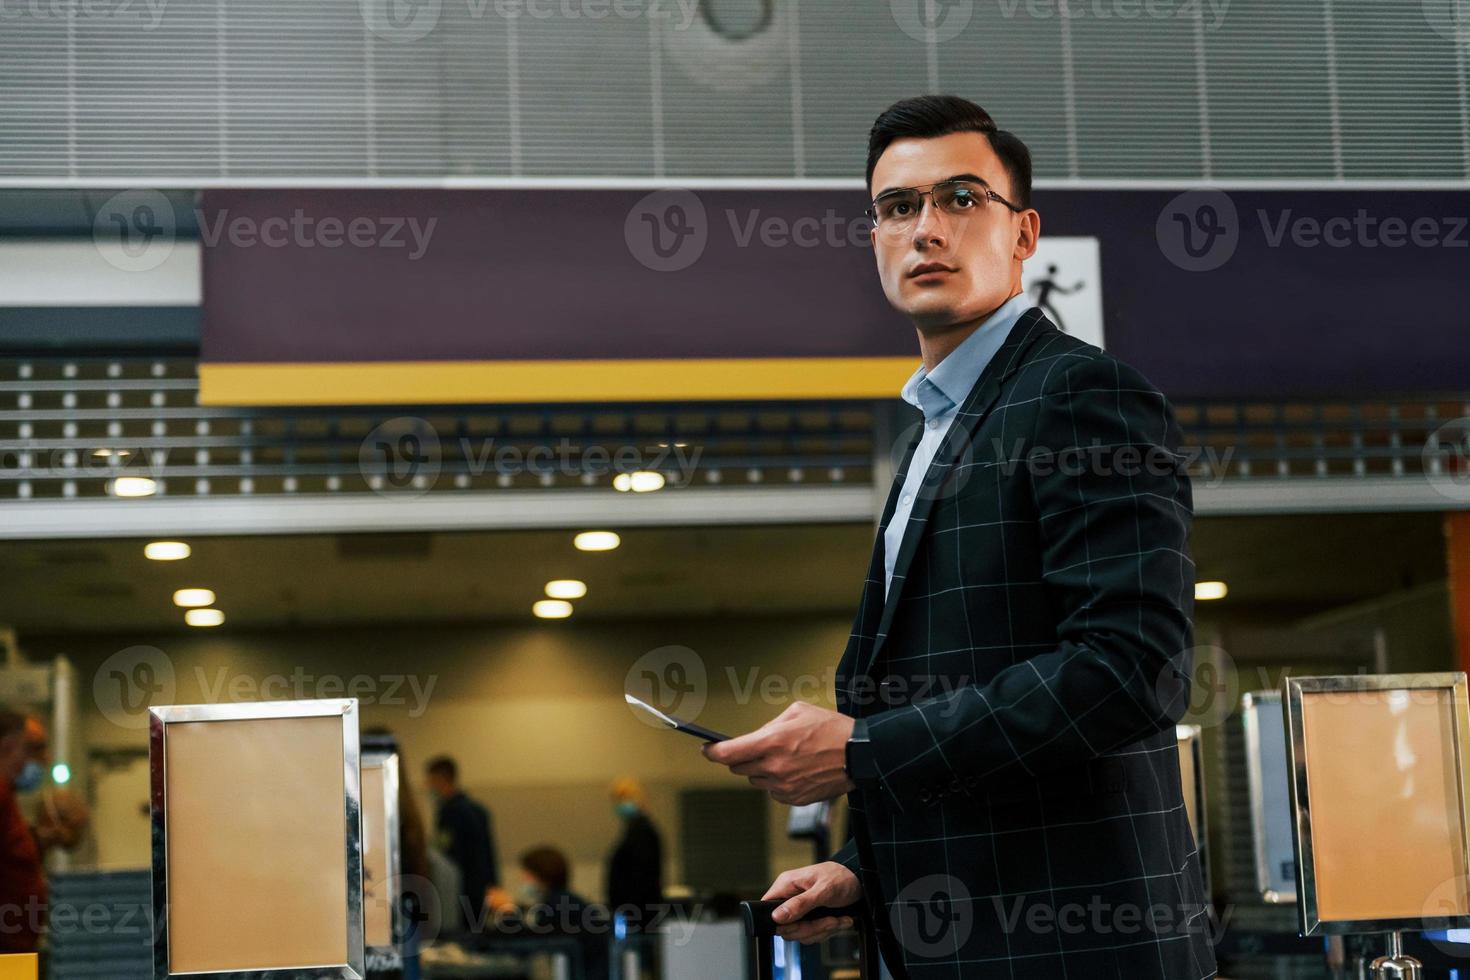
[[938, 392]]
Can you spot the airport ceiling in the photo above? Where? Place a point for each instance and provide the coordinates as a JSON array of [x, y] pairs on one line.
[[1286, 565]]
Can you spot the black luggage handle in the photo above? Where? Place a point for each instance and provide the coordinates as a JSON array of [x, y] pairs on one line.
[[761, 928], [758, 921]]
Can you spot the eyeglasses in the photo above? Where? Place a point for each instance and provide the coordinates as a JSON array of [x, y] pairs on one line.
[[897, 211]]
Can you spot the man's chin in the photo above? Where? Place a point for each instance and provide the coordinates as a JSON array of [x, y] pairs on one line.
[[933, 317]]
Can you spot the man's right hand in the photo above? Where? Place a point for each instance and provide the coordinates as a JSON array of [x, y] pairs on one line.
[[827, 884]]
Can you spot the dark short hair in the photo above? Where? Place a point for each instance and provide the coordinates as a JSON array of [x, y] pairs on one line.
[[932, 116], [548, 866], [443, 765]]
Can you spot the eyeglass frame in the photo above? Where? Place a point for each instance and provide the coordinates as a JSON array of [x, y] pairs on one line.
[[872, 210]]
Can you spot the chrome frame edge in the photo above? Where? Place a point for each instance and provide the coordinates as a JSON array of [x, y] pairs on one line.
[[1308, 916], [160, 717]]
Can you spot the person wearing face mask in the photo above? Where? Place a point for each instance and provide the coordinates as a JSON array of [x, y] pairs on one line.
[[635, 866], [22, 881], [545, 906], [61, 817]]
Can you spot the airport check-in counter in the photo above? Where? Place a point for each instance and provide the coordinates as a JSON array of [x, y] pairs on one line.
[[1356, 791]]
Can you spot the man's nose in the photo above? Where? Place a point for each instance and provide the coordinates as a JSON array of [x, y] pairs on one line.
[[930, 231]]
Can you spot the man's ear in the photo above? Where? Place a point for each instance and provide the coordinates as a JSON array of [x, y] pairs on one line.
[[1028, 233]]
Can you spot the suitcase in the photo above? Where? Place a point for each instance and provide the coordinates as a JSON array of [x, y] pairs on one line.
[[761, 931]]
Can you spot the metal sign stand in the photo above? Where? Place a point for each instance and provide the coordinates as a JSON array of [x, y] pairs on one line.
[[1397, 966]]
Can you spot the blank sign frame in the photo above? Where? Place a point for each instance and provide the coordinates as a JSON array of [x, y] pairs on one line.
[[382, 885], [1192, 783], [1378, 781], [257, 841], [1268, 785]]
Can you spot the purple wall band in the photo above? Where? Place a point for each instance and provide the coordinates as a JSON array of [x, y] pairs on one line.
[[1251, 293]]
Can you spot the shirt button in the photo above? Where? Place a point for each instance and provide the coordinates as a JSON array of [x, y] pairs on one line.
[[908, 498], [933, 423]]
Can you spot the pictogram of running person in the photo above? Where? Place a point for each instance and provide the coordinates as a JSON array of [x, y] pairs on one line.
[[1045, 287]]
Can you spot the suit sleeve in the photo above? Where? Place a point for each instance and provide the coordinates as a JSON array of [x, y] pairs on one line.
[[847, 855], [1113, 508]]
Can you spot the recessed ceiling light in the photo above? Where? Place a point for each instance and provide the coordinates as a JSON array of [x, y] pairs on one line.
[[166, 550], [61, 774], [566, 588], [597, 541], [643, 481], [1205, 591], [204, 617], [190, 598], [552, 609], [134, 486]]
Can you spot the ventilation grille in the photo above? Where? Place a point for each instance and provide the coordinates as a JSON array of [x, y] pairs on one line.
[[196, 90]]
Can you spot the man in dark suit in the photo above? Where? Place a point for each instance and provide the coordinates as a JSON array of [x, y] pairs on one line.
[[1007, 699], [466, 835]]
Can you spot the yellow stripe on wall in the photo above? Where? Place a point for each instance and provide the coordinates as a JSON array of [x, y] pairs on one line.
[[19, 966], [472, 382]]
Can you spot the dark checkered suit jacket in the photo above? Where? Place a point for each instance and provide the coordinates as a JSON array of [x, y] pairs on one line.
[[1022, 682]]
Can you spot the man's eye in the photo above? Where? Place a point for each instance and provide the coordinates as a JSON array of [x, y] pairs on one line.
[[965, 199]]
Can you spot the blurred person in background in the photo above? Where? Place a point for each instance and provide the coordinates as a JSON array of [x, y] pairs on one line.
[[422, 906], [635, 869], [22, 883], [466, 836], [61, 816], [413, 836], [545, 906]]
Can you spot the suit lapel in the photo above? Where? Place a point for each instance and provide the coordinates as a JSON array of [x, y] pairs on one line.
[[872, 598], [870, 604], [976, 407]]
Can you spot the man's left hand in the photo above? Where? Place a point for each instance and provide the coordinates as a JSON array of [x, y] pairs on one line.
[[799, 757]]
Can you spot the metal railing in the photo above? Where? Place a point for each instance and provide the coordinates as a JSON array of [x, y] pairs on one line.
[[71, 427]]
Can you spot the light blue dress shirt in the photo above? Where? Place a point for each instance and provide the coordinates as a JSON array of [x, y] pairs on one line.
[[939, 394]]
